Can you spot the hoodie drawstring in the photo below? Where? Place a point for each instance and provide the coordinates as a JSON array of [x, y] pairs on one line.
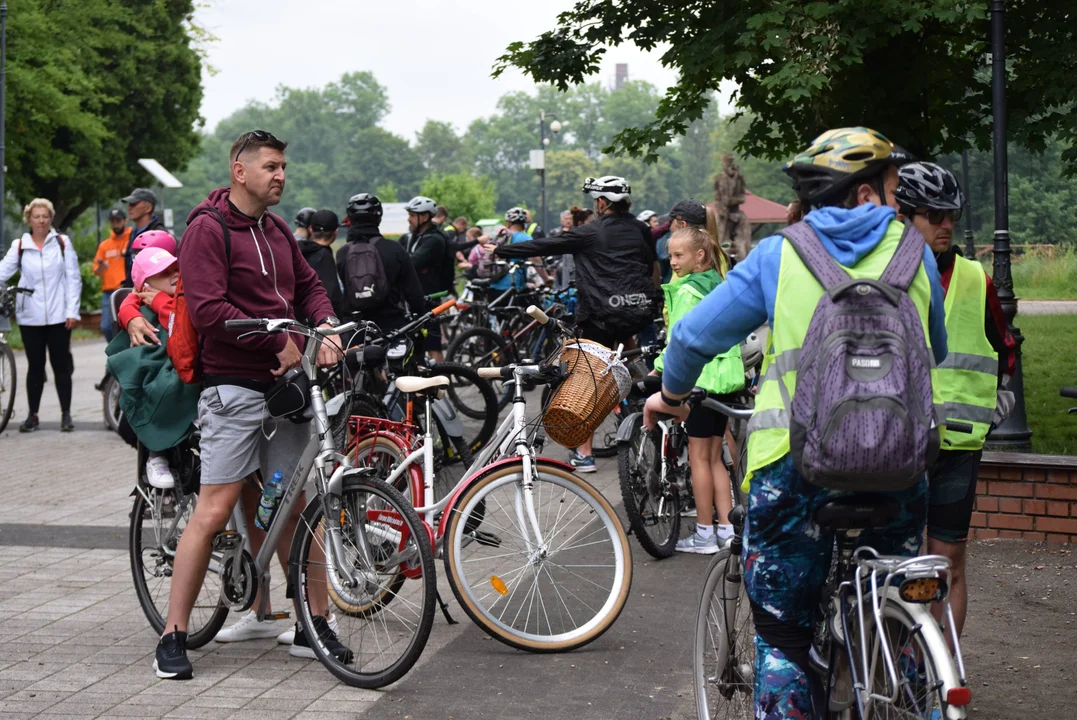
[[256, 247]]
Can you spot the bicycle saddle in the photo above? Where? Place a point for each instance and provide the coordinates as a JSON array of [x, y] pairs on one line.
[[411, 384], [857, 512], [480, 282]]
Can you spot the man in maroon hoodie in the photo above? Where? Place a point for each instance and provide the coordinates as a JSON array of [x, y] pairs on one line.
[[263, 275]]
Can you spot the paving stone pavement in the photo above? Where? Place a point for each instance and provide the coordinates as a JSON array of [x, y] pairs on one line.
[[76, 644]]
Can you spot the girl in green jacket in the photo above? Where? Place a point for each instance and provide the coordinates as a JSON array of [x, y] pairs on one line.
[[695, 259]]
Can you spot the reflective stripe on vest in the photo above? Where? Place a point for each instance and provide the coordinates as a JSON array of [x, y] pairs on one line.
[[531, 229], [794, 305], [968, 377]]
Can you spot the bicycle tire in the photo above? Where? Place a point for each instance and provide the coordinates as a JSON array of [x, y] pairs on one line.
[[461, 577], [420, 563], [726, 689], [9, 383], [357, 404], [604, 444], [209, 613], [644, 513], [110, 403], [459, 377], [492, 351]]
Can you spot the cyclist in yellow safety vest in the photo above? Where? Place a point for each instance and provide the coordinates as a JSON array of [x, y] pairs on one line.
[[971, 380], [846, 178]]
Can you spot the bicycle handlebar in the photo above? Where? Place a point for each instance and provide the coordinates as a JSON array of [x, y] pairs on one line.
[[444, 306], [536, 313], [958, 426], [277, 325], [242, 324], [494, 373]]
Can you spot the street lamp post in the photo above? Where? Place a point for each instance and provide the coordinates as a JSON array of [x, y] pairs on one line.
[[555, 127], [970, 240], [1013, 434], [3, 113]]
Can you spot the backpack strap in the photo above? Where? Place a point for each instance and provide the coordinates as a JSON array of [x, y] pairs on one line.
[[227, 236], [809, 248], [902, 268], [59, 239]]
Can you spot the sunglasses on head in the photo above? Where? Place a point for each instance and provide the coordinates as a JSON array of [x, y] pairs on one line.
[[935, 217], [258, 135]]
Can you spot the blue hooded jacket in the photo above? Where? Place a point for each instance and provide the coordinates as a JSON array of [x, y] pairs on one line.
[[746, 299]]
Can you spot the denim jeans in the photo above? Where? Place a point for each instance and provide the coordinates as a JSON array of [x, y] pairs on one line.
[[108, 323]]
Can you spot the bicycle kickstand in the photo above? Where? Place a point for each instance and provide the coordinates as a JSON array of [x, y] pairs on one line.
[[445, 609]]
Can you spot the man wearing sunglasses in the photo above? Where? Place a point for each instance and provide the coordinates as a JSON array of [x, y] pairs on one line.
[[973, 376]]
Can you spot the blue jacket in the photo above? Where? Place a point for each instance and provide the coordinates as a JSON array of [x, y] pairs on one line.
[[746, 299]]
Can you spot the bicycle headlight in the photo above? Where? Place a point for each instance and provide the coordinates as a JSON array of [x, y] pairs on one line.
[[922, 590]]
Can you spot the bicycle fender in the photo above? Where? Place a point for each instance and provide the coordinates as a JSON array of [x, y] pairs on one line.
[[333, 404], [624, 430], [449, 419]]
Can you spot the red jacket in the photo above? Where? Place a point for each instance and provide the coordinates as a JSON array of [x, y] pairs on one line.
[[131, 306], [266, 277]]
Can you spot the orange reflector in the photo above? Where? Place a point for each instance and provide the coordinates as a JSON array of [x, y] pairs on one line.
[[922, 590], [959, 696], [500, 586]]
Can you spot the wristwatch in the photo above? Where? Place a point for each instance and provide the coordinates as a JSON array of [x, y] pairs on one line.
[[672, 402], [331, 321]]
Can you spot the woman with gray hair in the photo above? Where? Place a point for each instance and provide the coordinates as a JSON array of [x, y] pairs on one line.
[[47, 264]]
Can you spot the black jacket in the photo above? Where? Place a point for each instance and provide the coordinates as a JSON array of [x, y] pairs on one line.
[[614, 257], [320, 258], [129, 258], [430, 253], [406, 293]]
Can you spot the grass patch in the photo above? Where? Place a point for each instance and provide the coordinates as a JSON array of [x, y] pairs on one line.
[[14, 338], [1039, 276], [1047, 356]]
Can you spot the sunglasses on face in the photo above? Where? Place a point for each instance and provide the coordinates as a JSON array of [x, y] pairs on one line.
[[935, 217], [259, 135]]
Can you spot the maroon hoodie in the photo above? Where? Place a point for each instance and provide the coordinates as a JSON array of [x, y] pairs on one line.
[[266, 277]]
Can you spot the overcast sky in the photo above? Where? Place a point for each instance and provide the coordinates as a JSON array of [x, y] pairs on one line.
[[433, 56]]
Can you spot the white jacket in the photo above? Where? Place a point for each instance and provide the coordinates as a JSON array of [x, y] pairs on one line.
[[53, 275]]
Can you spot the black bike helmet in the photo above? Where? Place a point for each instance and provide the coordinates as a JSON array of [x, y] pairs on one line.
[[302, 218], [929, 186], [839, 159], [364, 208]]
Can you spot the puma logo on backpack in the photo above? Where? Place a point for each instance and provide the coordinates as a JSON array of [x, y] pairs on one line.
[[367, 286], [863, 416]]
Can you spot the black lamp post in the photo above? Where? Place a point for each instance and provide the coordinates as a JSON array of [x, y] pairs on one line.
[[1012, 435], [970, 240], [555, 127], [3, 115]]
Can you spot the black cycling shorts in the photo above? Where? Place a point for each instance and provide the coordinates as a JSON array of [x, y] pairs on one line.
[[952, 494], [590, 331], [705, 423]]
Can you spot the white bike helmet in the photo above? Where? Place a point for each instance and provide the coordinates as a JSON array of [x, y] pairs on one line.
[[611, 187], [516, 216], [420, 204], [751, 352], [645, 215]]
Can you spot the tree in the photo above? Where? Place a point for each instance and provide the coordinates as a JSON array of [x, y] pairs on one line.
[[913, 69], [93, 86], [467, 195], [440, 149]]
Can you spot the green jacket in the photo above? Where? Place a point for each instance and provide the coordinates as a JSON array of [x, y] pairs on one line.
[[725, 373], [158, 405]]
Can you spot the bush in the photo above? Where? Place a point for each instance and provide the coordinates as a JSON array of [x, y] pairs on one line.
[[1042, 273], [91, 288]]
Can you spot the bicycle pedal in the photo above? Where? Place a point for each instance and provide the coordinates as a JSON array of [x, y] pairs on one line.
[[283, 615], [227, 540], [488, 539]]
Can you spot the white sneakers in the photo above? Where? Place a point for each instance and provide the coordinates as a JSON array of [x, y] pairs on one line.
[[248, 628], [158, 474]]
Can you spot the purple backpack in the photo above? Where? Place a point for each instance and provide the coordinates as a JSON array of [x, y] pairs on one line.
[[863, 418]]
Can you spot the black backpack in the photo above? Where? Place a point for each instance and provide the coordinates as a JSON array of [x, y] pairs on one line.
[[366, 286], [448, 267]]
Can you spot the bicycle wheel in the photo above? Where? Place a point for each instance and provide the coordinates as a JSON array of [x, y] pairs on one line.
[[110, 403], [468, 390], [604, 444], [383, 622], [554, 597], [8, 384], [155, 531], [724, 651], [654, 511], [480, 347]]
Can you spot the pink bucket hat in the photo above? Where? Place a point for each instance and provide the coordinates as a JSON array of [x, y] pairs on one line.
[[149, 263]]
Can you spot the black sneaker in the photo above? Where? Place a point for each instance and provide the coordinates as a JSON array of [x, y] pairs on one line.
[[301, 646], [171, 662], [66, 423], [30, 425]]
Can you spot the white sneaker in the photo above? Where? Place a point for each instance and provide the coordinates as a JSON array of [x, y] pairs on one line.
[[158, 474], [248, 628], [288, 636]]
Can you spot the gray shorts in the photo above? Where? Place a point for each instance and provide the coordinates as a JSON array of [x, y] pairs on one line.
[[234, 427]]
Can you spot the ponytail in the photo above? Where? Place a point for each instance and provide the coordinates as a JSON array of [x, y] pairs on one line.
[[722, 261]]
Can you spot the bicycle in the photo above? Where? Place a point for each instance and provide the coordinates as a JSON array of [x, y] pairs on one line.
[[9, 380], [341, 551], [656, 480], [516, 517], [876, 647]]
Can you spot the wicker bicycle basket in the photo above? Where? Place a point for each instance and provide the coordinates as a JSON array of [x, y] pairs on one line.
[[595, 384]]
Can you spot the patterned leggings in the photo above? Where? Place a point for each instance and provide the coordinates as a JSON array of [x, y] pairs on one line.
[[787, 557]]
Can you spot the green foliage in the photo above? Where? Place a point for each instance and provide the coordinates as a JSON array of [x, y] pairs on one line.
[[1047, 356], [463, 194], [92, 86], [1042, 275], [91, 288], [388, 192], [916, 70]]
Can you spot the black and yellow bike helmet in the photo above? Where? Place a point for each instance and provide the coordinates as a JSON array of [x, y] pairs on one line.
[[823, 174]]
